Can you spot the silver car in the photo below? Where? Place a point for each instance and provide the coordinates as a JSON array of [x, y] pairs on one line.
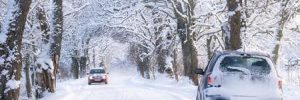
[[232, 75], [97, 75]]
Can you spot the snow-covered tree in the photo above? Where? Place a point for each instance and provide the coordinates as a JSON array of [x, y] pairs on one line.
[[10, 48], [232, 31], [287, 11], [3, 4], [185, 14]]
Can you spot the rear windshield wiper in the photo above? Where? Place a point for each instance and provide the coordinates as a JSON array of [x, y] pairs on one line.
[[241, 69]]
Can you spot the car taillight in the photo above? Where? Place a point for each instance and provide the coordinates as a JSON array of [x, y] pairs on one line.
[[280, 84], [210, 80]]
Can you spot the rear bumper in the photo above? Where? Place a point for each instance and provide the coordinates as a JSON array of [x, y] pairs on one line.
[[97, 81], [216, 93], [217, 97], [240, 97]]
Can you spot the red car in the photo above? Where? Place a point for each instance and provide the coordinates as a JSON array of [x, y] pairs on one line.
[[97, 76]]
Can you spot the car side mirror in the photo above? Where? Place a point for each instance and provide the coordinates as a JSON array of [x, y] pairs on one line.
[[199, 71]]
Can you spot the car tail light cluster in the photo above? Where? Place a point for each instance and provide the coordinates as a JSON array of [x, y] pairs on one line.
[[210, 80]]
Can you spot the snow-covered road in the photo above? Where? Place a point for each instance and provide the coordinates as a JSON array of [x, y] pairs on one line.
[[124, 85]]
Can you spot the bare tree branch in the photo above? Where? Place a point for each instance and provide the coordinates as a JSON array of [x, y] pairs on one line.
[[208, 33], [76, 9]]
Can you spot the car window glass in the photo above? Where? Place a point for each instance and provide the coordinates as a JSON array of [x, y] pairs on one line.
[[97, 71], [246, 65], [212, 59]]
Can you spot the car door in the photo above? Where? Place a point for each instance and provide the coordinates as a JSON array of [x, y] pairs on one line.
[[207, 71]]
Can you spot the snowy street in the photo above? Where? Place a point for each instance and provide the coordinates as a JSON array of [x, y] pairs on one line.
[[124, 85], [127, 85], [149, 49]]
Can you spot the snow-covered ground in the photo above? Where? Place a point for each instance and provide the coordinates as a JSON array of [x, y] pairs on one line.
[[291, 92], [127, 85], [124, 85]]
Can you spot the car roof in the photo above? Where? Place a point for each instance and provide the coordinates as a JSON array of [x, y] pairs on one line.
[[228, 52]]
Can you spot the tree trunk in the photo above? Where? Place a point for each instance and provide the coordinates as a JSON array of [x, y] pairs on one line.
[[85, 58], [41, 83], [208, 47], [146, 63], [276, 50], [279, 35], [41, 16], [135, 50], [186, 35], [162, 53], [57, 38], [141, 68], [83, 62], [175, 64], [10, 49], [234, 21], [75, 67], [41, 80], [28, 76], [190, 60], [34, 72], [94, 59]]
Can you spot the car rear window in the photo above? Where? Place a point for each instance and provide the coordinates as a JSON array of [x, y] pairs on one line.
[[93, 71], [246, 65]]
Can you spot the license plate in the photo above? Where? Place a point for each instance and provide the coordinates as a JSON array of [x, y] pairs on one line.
[[97, 79]]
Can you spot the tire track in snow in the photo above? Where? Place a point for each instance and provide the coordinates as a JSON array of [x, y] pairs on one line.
[[160, 89]]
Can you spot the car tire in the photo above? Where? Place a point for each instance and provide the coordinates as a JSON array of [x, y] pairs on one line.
[[106, 82]]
